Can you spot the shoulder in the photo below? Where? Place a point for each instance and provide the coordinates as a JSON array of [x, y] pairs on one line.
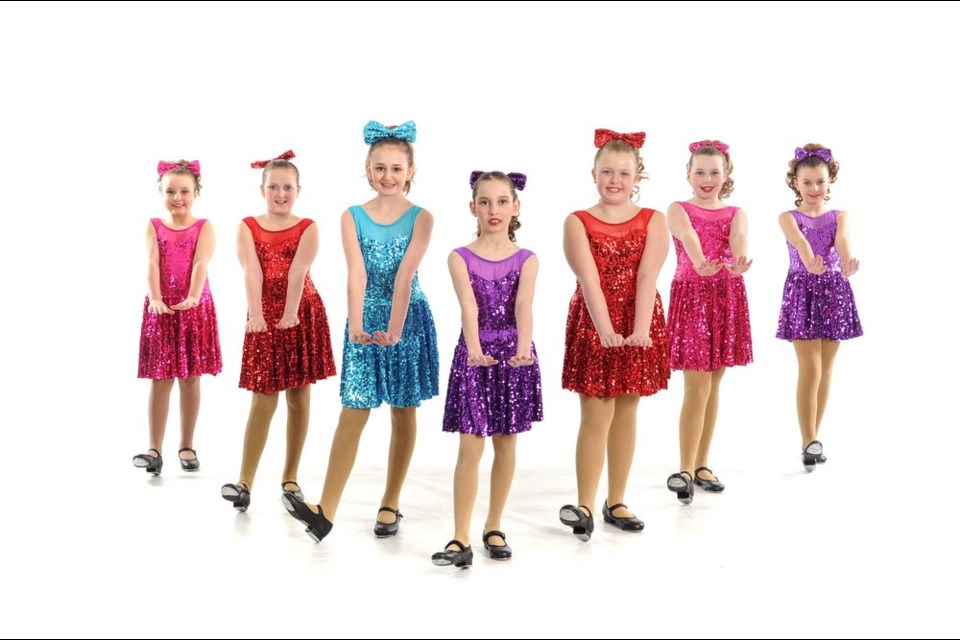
[[576, 221], [737, 211], [527, 260], [787, 215], [422, 215], [656, 218], [457, 258], [842, 215], [676, 208]]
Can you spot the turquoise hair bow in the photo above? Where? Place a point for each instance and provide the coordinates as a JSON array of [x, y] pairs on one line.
[[374, 132]]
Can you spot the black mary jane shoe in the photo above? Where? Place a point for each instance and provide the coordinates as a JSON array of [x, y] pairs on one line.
[[497, 551], [298, 492], [189, 465], [682, 485], [811, 455], [707, 485], [461, 557], [153, 464], [238, 494], [631, 523], [318, 527], [577, 519], [387, 529]]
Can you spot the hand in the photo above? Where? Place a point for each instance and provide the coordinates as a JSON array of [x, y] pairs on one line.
[[850, 267], [708, 268], [288, 321], [524, 359], [359, 336], [187, 303], [639, 339], [256, 325], [385, 338], [816, 266], [480, 359], [158, 307], [611, 340], [740, 265]]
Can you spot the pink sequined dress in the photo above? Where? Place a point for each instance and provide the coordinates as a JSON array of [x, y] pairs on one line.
[[708, 318], [184, 343]]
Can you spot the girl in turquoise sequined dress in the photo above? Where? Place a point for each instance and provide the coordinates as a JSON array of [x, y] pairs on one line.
[[390, 343]]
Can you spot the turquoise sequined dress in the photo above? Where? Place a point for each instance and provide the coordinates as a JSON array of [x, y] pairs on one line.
[[404, 374]]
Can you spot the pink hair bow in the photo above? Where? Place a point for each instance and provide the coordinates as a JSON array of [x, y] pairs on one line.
[[286, 155], [603, 136], [721, 146], [193, 167]]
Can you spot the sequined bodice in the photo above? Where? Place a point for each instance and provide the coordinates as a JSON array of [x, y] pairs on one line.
[[821, 233], [177, 248], [495, 284], [617, 250], [713, 230], [383, 248]]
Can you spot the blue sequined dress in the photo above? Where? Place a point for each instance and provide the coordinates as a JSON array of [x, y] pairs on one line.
[[404, 374]]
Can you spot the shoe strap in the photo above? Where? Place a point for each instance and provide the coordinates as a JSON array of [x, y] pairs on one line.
[[182, 450], [490, 534], [458, 544], [283, 485], [585, 510], [696, 473], [614, 507], [149, 450], [395, 512]]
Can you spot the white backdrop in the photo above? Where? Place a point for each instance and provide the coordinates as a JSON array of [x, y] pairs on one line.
[[96, 95]]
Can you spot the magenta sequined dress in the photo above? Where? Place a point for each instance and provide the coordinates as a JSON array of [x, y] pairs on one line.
[[497, 400], [184, 343], [821, 306], [708, 318]]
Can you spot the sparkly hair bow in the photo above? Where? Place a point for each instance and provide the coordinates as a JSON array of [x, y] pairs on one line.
[[286, 155], [519, 180], [373, 131], [193, 167], [802, 154], [721, 146], [603, 136]]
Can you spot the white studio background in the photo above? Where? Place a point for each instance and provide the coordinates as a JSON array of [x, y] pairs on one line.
[[97, 94]]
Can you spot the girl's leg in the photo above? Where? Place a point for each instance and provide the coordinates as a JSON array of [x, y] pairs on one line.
[[808, 384], [696, 396], [298, 419], [709, 423], [262, 407], [189, 410], [596, 416], [501, 477], [402, 439], [157, 409], [828, 352], [621, 443], [343, 453], [465, 485]]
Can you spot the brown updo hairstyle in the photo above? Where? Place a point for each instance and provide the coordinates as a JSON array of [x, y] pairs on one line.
[[709, 150], [502, 177], [620, 146], [182, 169], [812, 161]]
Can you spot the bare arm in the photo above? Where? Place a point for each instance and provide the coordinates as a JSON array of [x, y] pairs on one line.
[[198, 274], [842, 241], [523, 310], [156, 304], [403, 282], [356, 280], [576, 248], [654, 255], [253, 279], [791, 230], [738, 243], [680, 226], [296, 277], [468, 311]]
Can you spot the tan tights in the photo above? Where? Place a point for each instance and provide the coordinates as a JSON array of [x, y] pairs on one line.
[[466, 481], [606, 425], [158, 408], [815, 361], [698, 417], [262, 408]]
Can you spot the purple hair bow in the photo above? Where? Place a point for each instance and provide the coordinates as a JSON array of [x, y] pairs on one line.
[[519, 180], [802, 154], [374, 132], [193, 167]]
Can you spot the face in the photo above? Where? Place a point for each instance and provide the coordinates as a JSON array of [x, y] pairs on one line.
[[707, 176], [494, 206], [178, 193], [813, 183], [280, 190], [389, 170], [616, 175]]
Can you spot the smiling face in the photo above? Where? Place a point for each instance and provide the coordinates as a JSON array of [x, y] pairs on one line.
[[494, 205], [616, 174], [389, 170], [707, 175], [280, 190], [813, 184], [178, 192]]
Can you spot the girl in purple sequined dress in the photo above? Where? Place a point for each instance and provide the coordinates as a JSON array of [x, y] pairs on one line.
[[494, 388], [708, 318], [178, 338], [818, 309]]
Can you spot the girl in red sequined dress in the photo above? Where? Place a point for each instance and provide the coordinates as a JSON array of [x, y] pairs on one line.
[[287, 343], [178, 338], [616, 342]]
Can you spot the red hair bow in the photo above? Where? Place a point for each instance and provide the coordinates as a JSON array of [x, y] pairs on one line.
[[603, 136], [286, 155], [720, 146], [193, 167]]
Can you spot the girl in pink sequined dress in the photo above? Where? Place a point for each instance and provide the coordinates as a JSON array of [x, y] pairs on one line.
[[178, 338], [708, 318]]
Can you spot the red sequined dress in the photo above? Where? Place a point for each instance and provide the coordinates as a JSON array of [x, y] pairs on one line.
[[588, 367], [279, 359]]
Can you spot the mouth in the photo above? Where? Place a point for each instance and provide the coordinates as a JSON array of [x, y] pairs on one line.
[[494, 222]]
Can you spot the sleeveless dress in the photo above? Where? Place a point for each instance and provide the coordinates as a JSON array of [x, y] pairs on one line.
[[404, 374], [184, 343], [588, 367], [279, 359], [501, 399]]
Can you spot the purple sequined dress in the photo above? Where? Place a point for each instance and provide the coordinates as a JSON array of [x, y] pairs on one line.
[[497, 400], [821, 306]]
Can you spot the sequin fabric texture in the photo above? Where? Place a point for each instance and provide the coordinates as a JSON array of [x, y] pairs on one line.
[[279, 359], [588, 367], [184, 343], [709, 319], [500, 399], [404, 374], [818, 306]]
